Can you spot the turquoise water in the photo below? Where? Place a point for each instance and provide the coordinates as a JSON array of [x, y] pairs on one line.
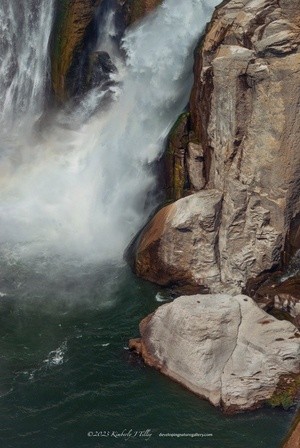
[[67, 379]]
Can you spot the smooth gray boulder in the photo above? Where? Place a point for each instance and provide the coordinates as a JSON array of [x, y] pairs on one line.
[[223, 348]]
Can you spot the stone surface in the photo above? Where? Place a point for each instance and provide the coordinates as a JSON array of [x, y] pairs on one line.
[[279, 297], [174, 159], [179, 245], [134, 10], [73, 19], [100, 69], [195, 166], [244, 118], [223, 348]]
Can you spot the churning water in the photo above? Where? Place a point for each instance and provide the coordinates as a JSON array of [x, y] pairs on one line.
[[85, 187]]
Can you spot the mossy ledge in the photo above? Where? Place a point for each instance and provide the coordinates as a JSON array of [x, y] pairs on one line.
[[174, 159], [287, 392]]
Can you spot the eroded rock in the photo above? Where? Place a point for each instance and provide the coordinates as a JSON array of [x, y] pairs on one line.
[[279, 297], [244, 118], [223, 348], [134, 10], [180, 244], [74, 17]]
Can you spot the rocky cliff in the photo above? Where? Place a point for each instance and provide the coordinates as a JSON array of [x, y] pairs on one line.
[[133, 10], [73, 19], [75, 64], [240, 155]]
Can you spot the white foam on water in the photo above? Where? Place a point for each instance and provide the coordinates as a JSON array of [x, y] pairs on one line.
[[85, 191], [56, 357]]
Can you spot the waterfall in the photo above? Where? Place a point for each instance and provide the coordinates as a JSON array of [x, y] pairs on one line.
[[81, 189], [24, 36]]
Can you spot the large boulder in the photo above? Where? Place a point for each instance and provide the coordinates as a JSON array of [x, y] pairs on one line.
[[180, 244], [225, 349], [244, 138]]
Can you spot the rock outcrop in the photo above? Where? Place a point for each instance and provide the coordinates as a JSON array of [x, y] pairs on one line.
[[278, 296], [243, 142], [74, 19], [225, 349], [134, 10], [180, 245]]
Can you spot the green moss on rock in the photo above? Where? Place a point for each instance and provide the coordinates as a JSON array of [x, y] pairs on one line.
[[175, 155], [287, 391]]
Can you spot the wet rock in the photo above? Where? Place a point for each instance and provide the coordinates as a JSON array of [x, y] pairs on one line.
[[223, 348], [134, 10], [100, 70], [73, 31], [168, 250]]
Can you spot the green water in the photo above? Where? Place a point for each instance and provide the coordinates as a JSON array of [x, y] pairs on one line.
[[65, 371]]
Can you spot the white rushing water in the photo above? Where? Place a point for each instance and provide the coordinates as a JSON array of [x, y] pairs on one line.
[[25, 28], [82, 190]]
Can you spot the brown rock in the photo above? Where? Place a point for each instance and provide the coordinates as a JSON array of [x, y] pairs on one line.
[[179, 245], [175, 159], [134, 10], [283, 297], [73, 19], [244, 117]]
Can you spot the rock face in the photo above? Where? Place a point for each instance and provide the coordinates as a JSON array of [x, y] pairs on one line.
[[244, 142], [180, 245], [73, 20], [174, 159], [281, 298], [223, 348], [134, 10]]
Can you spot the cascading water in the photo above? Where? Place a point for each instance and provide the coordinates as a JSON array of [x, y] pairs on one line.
[[82, 190], [24, 36]]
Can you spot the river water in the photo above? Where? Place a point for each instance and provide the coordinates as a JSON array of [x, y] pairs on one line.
[[66, 370]]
